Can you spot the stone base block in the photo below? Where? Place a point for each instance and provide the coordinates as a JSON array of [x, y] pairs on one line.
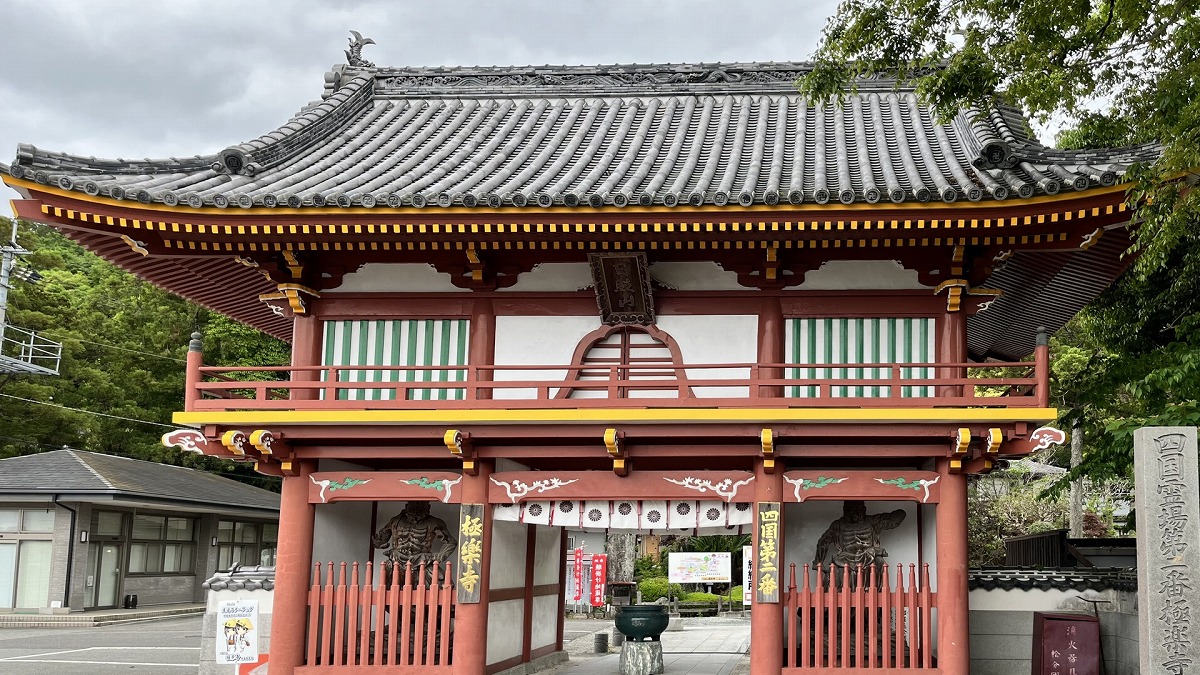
[[641, 658]]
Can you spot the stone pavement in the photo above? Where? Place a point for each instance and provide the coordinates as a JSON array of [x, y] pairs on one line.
[[704, 646]]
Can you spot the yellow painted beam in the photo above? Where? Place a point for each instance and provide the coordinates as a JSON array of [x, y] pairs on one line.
[[615, 416]]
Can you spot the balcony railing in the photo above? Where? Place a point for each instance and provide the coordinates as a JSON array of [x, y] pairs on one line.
[[25, 352], [624, 385]]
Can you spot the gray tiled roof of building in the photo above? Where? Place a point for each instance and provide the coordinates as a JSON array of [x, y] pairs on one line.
[[647, 135], [67, 472]]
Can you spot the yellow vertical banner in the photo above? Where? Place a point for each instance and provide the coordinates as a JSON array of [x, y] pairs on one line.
[[470, 552], [766, 563]]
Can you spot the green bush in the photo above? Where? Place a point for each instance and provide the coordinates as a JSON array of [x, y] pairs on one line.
[[737, 593], [699, 596], [647, 567], [654, 588]]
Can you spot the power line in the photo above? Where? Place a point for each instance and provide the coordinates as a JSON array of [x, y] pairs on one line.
[[89, 412], [123, 349]]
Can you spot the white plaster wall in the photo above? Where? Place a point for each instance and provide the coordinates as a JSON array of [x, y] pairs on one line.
[[546, 555], [508, 554], [537, 340], [844, 275], [554, 277], [342, 532], [1038, 600], [395, 278], [504, 629], [695, 276], [545, 620], [805, 523], [715, 339]]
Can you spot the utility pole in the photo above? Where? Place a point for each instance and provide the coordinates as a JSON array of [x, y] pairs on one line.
[[22, 351], [1077, 484], [8, 258]]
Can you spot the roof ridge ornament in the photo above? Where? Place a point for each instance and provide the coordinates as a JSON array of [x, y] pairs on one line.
[[354, 54]]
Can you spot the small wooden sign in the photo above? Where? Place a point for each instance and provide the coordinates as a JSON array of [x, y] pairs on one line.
[[766, 563], [622, 287], [471, 556]]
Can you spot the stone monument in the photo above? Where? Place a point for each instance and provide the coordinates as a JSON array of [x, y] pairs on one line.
[[1168, 549], [641, 658]]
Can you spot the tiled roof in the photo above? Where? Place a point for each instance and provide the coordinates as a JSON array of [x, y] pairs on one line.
[[74, 472], [652, 135], [242, 578], [1061, 579]]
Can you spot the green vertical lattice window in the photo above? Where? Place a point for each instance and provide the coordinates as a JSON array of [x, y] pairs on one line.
[[842, 348], [381, 345]]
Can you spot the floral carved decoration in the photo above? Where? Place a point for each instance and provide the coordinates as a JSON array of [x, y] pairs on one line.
[[443, 486], [725, 489], [333, 485], [804, 484], [904, 484], [518, 489]]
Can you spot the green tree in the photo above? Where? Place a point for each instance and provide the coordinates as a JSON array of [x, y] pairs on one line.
[[1117, 72], [124, 344]]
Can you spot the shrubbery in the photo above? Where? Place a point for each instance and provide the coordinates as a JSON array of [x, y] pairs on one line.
[[653, 588]]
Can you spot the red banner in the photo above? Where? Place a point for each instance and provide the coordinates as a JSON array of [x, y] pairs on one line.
[[599, 577], [578, 574]]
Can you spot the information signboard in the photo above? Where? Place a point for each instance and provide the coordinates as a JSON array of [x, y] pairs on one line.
[[699, 568]]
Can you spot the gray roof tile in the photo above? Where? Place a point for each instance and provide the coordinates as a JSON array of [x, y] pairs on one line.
[[67, 472], [722, 134]]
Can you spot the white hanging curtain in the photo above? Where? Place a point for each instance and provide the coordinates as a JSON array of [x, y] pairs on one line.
[[650, 516]]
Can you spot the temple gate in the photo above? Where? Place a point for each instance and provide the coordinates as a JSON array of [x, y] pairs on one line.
[[657, 298]]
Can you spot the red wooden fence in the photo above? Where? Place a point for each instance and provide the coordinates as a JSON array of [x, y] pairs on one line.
[[398, 622], [860, 621]]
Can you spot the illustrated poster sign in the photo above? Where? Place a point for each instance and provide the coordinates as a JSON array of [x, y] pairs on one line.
[[699, 568], [239, 640]]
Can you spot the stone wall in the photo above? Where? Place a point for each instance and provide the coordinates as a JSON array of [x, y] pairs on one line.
[[1002, 637]]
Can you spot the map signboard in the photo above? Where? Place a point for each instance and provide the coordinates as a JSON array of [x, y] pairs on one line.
[[699, 568]]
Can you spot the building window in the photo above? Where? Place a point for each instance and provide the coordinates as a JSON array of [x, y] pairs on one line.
[[25, 555], [246, 543], [162, 545]]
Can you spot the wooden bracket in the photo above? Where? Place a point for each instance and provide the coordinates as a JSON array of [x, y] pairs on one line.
[[293, 294], [459, 444], [265, 442], [994, 438], [767, 438], [961, 442], [614, 443], [976, 466], [235, 441]]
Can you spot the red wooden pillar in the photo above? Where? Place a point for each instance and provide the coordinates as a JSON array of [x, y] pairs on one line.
[[482, 351], [952, 348], [471, 619], [952, 606], [766, 627], [306, 351], [770, 344], [293, 564]]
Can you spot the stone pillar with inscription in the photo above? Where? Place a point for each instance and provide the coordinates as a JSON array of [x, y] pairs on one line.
[[1168, 549]]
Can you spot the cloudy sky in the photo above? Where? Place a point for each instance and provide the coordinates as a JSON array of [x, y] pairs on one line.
[[142, 78]]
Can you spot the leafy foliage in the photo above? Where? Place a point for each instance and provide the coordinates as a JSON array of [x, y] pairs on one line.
[[1117, 72], [124, 344], [653, 588], [1004, 505]]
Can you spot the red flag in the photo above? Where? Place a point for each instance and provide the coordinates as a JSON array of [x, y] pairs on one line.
[[578, 573], [599, 577]]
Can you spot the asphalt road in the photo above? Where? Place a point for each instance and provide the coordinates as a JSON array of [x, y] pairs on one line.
[[160, 647]]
